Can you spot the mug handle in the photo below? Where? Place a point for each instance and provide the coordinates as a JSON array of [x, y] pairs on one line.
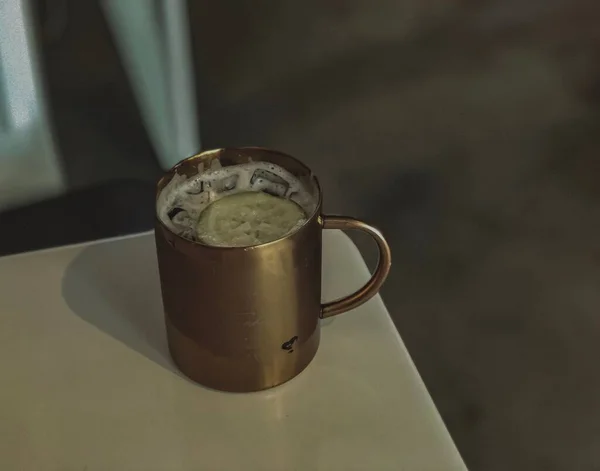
[[371, 287]]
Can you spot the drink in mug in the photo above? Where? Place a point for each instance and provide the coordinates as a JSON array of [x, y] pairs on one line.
[[238, 239]]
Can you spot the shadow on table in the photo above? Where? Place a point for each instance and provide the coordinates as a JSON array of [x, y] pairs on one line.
[[115, 287]]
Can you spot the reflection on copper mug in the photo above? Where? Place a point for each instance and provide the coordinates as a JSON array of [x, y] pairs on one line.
[[247, 318]]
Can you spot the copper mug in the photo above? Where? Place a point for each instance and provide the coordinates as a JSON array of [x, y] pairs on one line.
[[247, 318]]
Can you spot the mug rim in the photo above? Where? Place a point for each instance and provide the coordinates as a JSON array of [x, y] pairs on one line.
[[204, 154]]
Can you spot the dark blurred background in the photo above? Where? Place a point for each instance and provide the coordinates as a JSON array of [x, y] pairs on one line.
[[468, 130]]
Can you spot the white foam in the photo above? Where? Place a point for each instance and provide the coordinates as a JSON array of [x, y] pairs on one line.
[[181, 201]]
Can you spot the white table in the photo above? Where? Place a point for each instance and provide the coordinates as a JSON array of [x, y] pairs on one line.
[[87, 383]]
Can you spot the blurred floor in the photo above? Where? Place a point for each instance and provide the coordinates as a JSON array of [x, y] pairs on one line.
[[468, 130]]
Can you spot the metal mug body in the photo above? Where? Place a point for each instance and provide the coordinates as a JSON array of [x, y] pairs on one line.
[[246, 318], [242, 319]]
